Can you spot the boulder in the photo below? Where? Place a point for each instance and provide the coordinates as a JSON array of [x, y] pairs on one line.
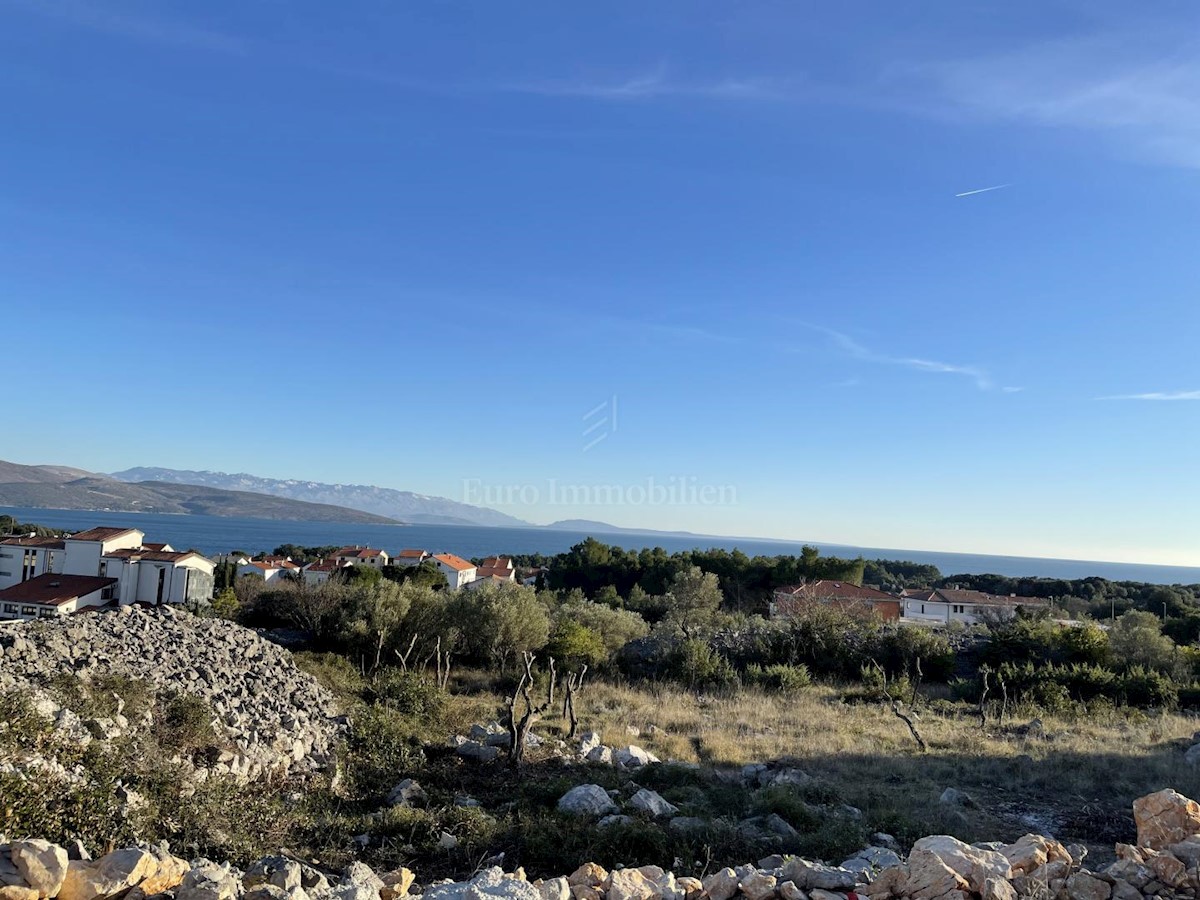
[[648, 801], [43, 865], [554, 889], [208, 881], [929, 878], [277, 870], [108, 875], [1083, 886], [610, 821], [998, 889], [757, 886], [589, 875], [601, 755], [588, 741], [954, 797], [631, 884], [693, 888], [407, 793], [478, 752], [586, 800], [1164, 818], [974, 865], [815, 876], [1033, 851], [633, 757], [789, 891], [721, 885]]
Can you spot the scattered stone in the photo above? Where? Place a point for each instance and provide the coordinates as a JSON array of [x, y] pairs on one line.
[[1082, 886], [955, 797], [721, 885], [648, 801], [610, 821], [408, 793], [1164, 818], [586, 800], [757, 886], [633, 757], [43, 865]]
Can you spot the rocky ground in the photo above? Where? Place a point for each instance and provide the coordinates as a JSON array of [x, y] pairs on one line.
[[1164, 864], [270, 717]]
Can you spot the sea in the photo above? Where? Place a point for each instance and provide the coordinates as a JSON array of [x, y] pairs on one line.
[[213, 535]]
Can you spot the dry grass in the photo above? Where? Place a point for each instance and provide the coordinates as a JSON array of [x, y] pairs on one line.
[[1078, 780]]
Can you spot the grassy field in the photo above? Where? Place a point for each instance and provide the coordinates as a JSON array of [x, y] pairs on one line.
[[1076, 777]]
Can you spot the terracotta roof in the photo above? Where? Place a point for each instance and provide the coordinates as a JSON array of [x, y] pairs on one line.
[[834, 590], [454, 562], [101, 534], [489, 579], [494, 572], [150, 555], [496, 562], [146, 546], [923, 594], [54, 590], [48, 543], [981, 598], [322, 565], [359, 552], [412, 554]]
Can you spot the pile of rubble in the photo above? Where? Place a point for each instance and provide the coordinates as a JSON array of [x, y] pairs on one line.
[[268, 715], [1164, 864]]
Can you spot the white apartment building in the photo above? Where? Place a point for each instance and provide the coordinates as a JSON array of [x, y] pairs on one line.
[[456, 570], [42, 577], [361, 556]]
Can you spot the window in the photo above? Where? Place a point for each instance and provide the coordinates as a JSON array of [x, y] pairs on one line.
[[957, 608], [10, 607], [5, 574], [28, 611]]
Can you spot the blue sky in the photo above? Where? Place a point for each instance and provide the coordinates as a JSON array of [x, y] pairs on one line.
[[416, 244]]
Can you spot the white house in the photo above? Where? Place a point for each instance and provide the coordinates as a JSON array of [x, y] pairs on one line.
[[456, 570], [410, 557], [101, 566], [361, 556], [945, 605], [268, 570], [498, 567], [320, 571]]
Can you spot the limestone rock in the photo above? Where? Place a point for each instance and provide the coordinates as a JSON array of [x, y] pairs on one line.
[[554, 889], [1164, 818], [789, 891], [396, 883], [108, 875], [721, 885], [586, 800], [589, 874], [648, 801], [815, 876], [631, 884], [930, 877], [633, 757], [1082, 886], [974, 865], [208, 881], [757, 886], [43, 865], [1033, 851], [407, 793]]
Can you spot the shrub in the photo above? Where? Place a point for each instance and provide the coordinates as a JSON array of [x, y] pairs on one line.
[[184, 724], [698, 665], [409, 694], [779, 677]]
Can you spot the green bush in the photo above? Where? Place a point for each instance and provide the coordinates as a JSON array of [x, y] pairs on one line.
[[698, 665], [779, 677], [409, 694]]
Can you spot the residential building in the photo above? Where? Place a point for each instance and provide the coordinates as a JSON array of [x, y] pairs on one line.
[[320, 571], [945, 605], [859, 601], [268, 570], [500, 567], [101, 566], [410, 557], [456, 570], [482, 580], [361, 556]]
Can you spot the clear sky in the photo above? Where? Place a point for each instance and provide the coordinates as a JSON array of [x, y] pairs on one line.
[[416, 244]]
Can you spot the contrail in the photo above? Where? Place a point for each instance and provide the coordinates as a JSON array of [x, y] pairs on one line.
[[994, 187]]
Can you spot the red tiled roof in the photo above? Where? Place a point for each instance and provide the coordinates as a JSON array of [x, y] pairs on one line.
[[923, 594], [54, 590], [49, 543], [494, 572], [981, 598], [412, 554], [101, 534], [150, 555], [454, 562], [834, 590], [146, 546], [496, 562], [359, 552]]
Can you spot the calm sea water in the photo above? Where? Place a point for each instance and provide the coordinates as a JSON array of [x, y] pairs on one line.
[[215, 534]]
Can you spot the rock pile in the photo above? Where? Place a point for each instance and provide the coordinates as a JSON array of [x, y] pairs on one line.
[[1164, 864], [269, 716]]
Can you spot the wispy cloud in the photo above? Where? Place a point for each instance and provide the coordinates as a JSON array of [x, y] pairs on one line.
[[1156, 395], [1140, 91], [146, 29], [853, 348], [652, 84]]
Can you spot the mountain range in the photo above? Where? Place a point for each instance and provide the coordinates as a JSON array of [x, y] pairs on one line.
[[406, 506], [60, 487]]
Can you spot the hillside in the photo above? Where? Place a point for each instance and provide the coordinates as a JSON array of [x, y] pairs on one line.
[[54, 487], [407, 506]]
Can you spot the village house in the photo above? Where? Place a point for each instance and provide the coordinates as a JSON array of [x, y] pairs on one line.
[[863, 602], [456, 570], [361, 556], [946, 605], [498, 568], [320, 571], [42, 577], [268, 569], [410, 557]]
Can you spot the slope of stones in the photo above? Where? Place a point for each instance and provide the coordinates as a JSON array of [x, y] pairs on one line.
[[269, 715]]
